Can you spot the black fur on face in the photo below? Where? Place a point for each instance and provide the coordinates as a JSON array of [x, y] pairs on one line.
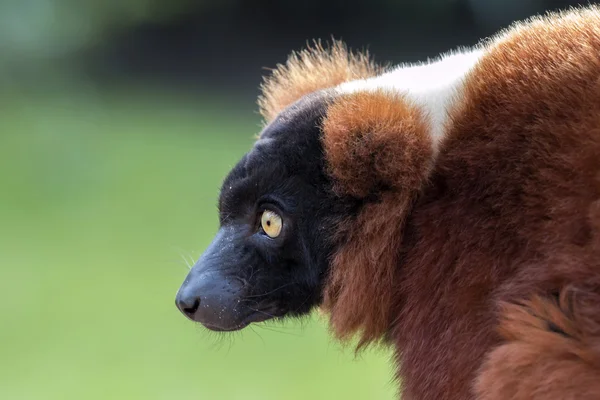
[[246, 276]]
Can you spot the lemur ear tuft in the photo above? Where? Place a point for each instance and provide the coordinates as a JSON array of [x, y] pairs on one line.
[[376, 140], [314, 68]]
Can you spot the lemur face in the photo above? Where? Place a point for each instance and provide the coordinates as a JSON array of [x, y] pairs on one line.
[[271, 253]]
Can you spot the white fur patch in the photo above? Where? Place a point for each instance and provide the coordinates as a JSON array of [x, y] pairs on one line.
[[433, 86]]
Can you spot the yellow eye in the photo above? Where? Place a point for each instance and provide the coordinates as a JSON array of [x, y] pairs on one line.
[[271, 223]]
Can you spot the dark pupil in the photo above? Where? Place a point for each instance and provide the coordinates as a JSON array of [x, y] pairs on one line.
[[268, 222]]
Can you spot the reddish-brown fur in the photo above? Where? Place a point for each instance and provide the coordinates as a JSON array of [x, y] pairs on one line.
[[358, 126], [509, 212], [311, 69], [552, 349], [507, 215], [457, 263]]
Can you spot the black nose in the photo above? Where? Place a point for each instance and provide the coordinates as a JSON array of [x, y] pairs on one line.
[[187, 303], [213, 300]]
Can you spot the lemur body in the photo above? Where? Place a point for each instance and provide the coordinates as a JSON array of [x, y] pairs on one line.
[[449, 209]]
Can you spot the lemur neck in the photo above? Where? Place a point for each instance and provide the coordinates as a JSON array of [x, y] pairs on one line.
[[433, 86]]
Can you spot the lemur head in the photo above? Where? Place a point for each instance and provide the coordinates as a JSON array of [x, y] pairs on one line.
[[312, 215]]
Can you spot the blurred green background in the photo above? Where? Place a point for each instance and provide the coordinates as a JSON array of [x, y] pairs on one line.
[[118, 121]]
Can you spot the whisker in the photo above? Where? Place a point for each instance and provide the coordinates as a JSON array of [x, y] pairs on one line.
[[257, 334], [178, 263], [191, 259], [262, 312], [273, 329], [185, 256], [304, 302], [186, 261], [272, 291]]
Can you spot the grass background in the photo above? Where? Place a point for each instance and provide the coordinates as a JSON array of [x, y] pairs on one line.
[[102, 197]]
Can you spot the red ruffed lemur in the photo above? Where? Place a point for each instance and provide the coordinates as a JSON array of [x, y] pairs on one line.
[[449, 209]]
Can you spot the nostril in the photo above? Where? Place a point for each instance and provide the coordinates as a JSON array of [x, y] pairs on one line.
[[191, 310], [187, 303]]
